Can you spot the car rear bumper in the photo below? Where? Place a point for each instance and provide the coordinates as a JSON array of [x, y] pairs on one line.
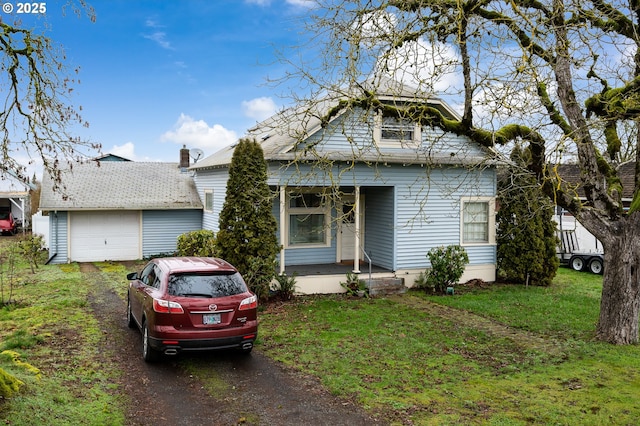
[[172, 346]]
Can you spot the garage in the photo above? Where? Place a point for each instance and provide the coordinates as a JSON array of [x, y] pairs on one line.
[[104, 235]]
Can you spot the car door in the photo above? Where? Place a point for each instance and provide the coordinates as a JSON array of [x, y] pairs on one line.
[[139, 291]]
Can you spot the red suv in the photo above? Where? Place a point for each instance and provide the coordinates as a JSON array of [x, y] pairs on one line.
[[191, 304]]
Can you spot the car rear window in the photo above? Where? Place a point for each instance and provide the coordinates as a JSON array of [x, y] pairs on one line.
[[206, 285]]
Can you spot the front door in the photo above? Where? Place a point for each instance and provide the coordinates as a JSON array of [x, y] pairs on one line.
[[348, 229]]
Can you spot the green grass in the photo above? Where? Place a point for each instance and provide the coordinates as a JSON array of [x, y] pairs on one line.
[[401, 361], [406, 364]]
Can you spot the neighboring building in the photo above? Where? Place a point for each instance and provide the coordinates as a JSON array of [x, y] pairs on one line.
[[119, 210], [367, 191], [14, 197]]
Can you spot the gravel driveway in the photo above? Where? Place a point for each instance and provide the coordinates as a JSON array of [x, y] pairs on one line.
[[262, 392]]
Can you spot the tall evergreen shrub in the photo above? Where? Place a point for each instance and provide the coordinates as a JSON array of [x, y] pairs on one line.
[[526, 235], [247, 236]]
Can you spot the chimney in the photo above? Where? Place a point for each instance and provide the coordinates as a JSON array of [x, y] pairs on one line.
[[184, 157]]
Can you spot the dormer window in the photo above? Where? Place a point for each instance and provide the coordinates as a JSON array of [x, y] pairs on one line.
[[395, 132]]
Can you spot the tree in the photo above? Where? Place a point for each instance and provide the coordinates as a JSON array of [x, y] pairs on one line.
[[37, 117], [247, 236], [526, 235], [561, 77]]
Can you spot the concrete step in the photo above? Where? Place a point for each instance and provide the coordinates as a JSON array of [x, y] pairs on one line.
[[386, 285]]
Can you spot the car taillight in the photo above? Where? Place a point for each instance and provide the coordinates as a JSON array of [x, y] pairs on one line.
[[248, 303], [167, 307]]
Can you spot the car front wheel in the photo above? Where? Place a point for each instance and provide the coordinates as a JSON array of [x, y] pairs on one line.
[[148, 353]]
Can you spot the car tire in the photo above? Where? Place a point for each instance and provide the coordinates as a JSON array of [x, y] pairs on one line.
[[595, 266], [148, 353], [130, 321], [576, 263]]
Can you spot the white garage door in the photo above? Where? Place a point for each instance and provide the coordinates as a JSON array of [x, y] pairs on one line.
[[97, 236]]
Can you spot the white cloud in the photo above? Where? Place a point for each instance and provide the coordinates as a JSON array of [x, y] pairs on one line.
[[127, 151], [427, 66], [301, 3], [259, 2], [259, 108], [157, 36], [198, 134]]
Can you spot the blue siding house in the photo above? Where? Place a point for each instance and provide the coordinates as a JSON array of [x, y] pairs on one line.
[[366, 191]]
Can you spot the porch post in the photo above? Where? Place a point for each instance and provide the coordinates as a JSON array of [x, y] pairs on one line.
[[283, 224], [356, 215]]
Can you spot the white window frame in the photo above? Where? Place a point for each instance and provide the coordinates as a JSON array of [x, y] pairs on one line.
[[324, 209], [491, 221], [208, 207], [380, 125]]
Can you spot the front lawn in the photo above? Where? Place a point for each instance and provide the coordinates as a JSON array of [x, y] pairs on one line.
[[501, 354]]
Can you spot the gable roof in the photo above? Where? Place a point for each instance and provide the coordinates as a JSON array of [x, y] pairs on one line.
[[11, 185], [121, 185], [279, 134]]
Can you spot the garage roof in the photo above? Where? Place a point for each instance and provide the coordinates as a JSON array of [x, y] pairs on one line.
[[115, 185]]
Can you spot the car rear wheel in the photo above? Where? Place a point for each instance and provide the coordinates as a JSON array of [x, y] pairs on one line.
[[130, 322], [576, 263], [595, 266], [148, 353]]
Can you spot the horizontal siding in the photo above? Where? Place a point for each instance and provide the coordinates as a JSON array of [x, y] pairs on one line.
[[58, 242], [379, 226], [216, 181], [161, 228]]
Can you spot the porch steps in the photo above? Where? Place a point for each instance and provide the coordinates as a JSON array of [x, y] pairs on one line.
[[386, 285]]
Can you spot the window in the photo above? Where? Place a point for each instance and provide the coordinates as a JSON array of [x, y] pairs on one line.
[[307, 216], [396, 129], [478, 221], [206, 285], [208, 200]]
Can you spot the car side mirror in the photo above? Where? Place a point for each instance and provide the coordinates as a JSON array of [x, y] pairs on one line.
[[132, 276]]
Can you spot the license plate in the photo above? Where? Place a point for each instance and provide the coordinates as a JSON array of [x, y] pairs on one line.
[[208, 319]]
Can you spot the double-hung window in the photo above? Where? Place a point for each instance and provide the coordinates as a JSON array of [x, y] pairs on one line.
[[307, 215], [208, 200], [478, 221]]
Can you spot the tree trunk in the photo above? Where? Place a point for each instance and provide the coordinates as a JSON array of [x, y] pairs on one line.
[[620, 303]]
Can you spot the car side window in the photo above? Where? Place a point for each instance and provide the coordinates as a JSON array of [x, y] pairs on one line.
[[148, 275]]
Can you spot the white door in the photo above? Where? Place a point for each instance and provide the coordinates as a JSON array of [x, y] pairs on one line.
[[348, 230], [98, 236]]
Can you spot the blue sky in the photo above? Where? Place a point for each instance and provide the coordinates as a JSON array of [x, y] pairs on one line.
[[156, 75]]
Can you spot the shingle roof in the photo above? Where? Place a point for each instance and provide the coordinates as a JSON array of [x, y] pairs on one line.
[[571, 174], [116, 185]]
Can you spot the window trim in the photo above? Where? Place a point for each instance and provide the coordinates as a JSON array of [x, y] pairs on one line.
[[491, 221], [324, 209], [395, 143]]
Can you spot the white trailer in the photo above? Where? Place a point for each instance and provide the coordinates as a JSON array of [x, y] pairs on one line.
[[578, 248]]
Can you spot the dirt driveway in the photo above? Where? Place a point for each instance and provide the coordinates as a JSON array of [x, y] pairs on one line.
[[259, 391]]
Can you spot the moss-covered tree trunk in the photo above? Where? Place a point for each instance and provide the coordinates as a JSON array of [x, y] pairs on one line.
[[247, 236]]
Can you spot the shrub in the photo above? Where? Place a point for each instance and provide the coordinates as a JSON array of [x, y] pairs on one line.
[[9, 385], [284, 286], [447, 266], [197, 243], [353, 285], [31, 247]]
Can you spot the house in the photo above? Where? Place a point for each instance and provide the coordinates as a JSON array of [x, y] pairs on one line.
[[366, 191], [14, 197], [583, 241], [119, 210]]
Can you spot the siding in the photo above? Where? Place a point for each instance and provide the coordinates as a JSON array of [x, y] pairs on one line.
[[58, 244], [379, 226], [215, 180], [161, 228]]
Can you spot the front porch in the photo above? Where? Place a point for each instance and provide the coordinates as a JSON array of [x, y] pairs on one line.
[[326, 278]]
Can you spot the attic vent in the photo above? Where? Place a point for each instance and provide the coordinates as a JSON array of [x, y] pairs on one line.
[[265, 137]]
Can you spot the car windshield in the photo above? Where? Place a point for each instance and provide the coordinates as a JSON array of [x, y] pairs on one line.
[[206, 285], [4, 215]]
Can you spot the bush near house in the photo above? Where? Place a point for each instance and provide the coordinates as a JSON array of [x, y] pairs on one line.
[[197, 243], [447, 266]]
